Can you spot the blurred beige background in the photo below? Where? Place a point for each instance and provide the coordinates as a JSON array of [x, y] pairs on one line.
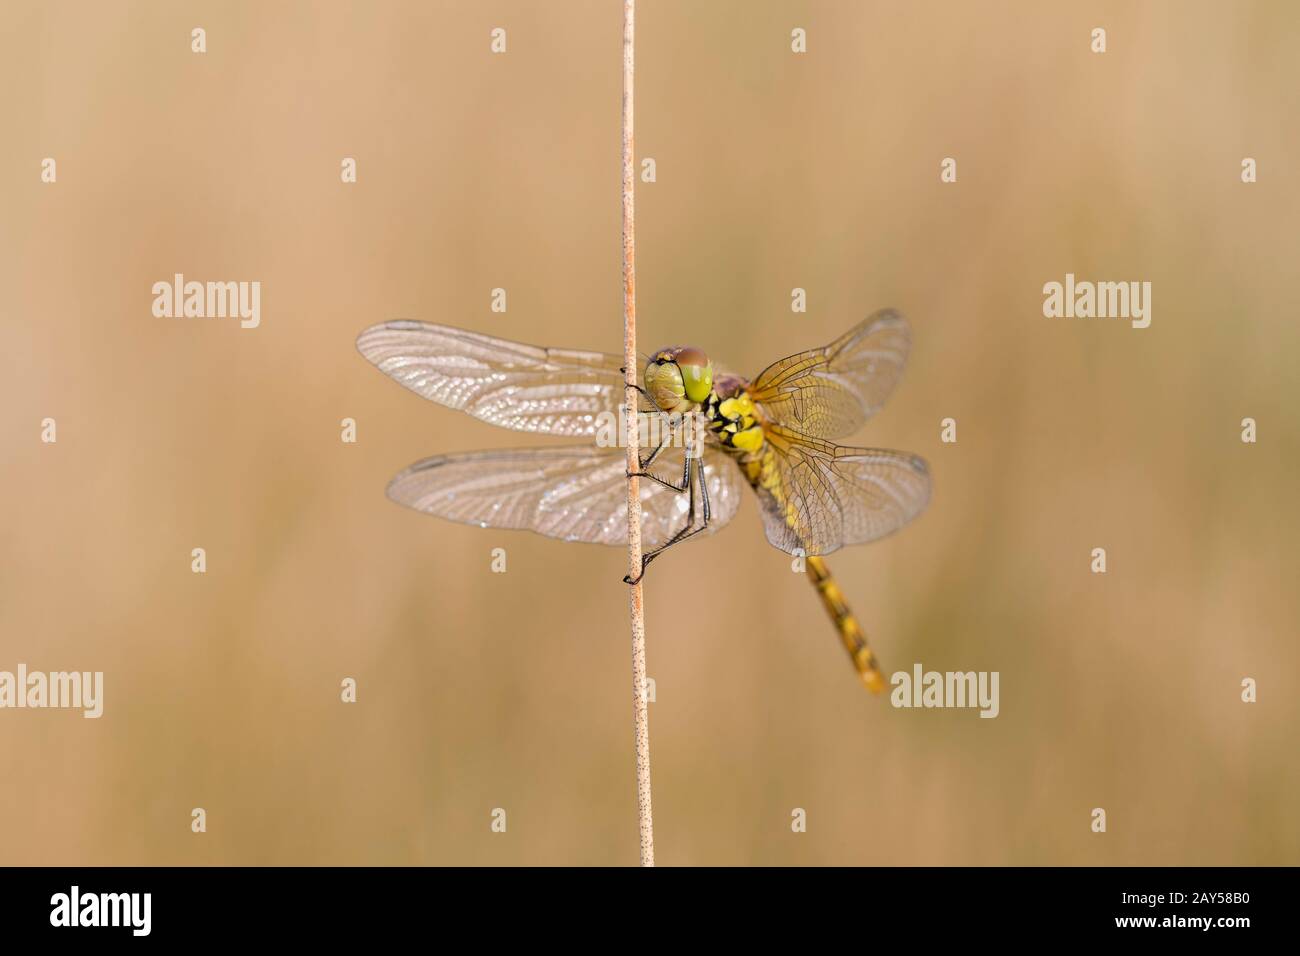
[[480, 690]]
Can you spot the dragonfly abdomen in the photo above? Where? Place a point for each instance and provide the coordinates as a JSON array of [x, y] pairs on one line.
[[855, 641]]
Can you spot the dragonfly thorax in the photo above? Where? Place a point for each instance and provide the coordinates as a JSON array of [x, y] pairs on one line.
[[734, 420]]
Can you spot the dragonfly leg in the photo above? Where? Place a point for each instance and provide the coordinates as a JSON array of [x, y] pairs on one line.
[[704, 490], [686, 476], [686, 468], [687, 532], [659, 448], [644, 394], [639, 389], [644, 463]]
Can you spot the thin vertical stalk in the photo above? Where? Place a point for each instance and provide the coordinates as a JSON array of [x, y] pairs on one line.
[[640, 707]]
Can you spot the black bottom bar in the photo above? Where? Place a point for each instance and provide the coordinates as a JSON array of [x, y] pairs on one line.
[[332, 905]]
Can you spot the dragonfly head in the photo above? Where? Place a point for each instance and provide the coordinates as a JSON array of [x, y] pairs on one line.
[[678, 378]]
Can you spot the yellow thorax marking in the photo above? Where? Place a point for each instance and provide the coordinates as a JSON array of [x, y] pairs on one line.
[[739, 412], [738, 408], [750, 440]]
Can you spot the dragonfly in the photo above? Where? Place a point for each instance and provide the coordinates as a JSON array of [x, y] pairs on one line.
[[774, 433]]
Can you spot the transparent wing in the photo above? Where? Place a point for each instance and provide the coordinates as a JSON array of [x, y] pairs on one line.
[[504, 383], [819, 496], [829, 392], [576, 493]]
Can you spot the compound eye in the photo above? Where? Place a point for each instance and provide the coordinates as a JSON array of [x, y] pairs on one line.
[[697, 373], [663, 382]]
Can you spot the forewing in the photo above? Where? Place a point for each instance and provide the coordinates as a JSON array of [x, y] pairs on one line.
[[821, 496], [504, 383], [575, 493], [831, 391]]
